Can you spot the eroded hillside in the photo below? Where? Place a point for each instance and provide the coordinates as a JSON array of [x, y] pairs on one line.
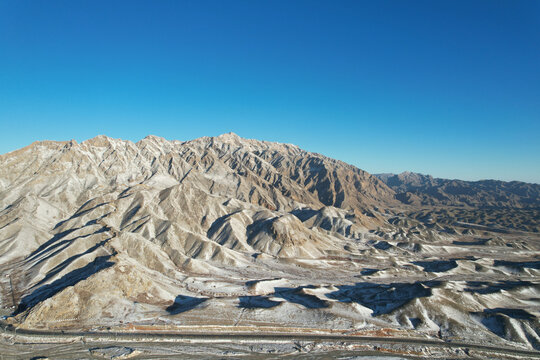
[[225, 231]]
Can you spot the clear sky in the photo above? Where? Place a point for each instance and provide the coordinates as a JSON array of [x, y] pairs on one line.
[[448, 88]]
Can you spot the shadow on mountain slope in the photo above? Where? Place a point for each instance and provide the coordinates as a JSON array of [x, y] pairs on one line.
[[437, 265], [184, 303], [382, 298], [304, 214], [518, 265], [501, 322], [257, 301], [484, 287], [46, 291], [299, 296], [68, 261], [470, 243], [56, 244]]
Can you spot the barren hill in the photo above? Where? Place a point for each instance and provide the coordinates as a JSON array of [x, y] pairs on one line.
[[226, 231]]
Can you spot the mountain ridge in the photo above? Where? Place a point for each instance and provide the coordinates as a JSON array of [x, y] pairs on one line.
[[272, 175], [232, 135], [221, 231], [420, 189], [390, 174]]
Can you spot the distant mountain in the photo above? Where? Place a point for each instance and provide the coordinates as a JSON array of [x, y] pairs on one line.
[[418, 189]]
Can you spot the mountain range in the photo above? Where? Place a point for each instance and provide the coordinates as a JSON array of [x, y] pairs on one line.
[[230, 232], [419, 189]]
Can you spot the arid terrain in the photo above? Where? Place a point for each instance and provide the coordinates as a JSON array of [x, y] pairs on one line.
[[223, 234]]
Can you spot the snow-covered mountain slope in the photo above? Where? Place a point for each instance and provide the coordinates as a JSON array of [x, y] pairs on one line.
[[226, 231]]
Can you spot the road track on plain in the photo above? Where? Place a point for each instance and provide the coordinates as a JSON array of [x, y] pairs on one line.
[[92, 336]]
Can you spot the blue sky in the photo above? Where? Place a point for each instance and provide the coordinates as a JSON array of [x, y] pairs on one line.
[[449, 88]]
